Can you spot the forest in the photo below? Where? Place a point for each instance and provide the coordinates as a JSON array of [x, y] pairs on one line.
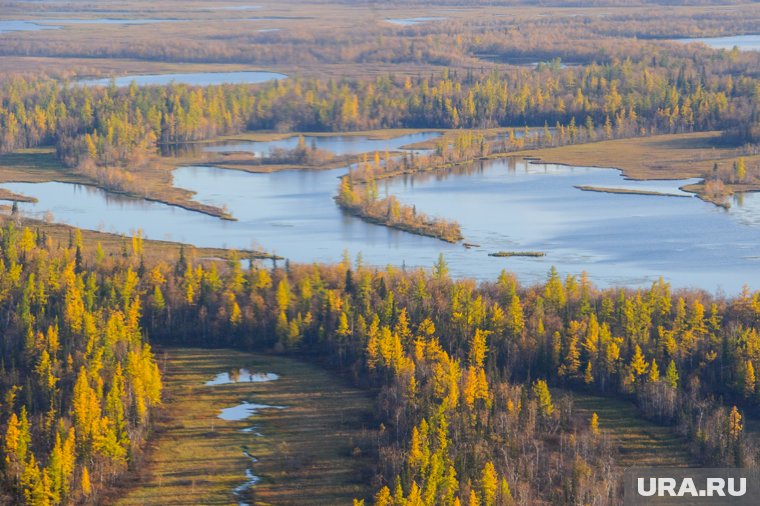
[[477, 386], [464, 371], [109, 124], [108, 134], [79, 381]]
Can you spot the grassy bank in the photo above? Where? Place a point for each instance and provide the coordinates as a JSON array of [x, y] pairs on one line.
[[15, 197], [506, 254], [677, 156], [384, 134], [153, 181], [313, 452]]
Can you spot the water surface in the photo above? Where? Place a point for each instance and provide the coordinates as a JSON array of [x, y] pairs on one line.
[[241, 375], [337, 144], [9, 25], [234, 8], [414, 21], [244, 410], [106, 21], [241, 412], [251, 478], [54, 24], [502, 205], [192, 78], [743, 42]]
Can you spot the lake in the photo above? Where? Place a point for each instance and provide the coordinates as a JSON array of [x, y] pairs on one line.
[[509, 204], [414, 21], [241, 375], [233, 8], [743, 42], [7, 25], [192, 78], [106, 21], [54, 24]]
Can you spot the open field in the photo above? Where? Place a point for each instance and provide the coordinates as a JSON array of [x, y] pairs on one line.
[[640, 442], [677, 156], [81, 67], [313, 452], [74, 67]]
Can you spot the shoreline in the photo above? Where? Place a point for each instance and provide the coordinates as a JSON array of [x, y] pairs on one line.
[[40, 165], [425, 231], [111, 240], [627, 191]]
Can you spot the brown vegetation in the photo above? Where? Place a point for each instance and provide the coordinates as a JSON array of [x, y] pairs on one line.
[[678, 156]]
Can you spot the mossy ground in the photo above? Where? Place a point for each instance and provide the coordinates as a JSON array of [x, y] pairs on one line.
[[316, 451]]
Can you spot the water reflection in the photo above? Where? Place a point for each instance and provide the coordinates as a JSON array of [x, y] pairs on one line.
[[241, 375], [191, 78], [244, 410], [414, 21], [10, 25], [337, 144]]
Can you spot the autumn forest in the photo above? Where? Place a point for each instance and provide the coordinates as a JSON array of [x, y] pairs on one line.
[[469, 359]]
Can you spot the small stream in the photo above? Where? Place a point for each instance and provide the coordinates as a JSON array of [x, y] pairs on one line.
[[243, 411], [240, 490]]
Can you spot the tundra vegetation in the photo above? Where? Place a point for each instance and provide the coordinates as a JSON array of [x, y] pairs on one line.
[[473, 382]]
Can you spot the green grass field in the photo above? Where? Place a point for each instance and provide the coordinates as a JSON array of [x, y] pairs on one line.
[[309, 453]]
